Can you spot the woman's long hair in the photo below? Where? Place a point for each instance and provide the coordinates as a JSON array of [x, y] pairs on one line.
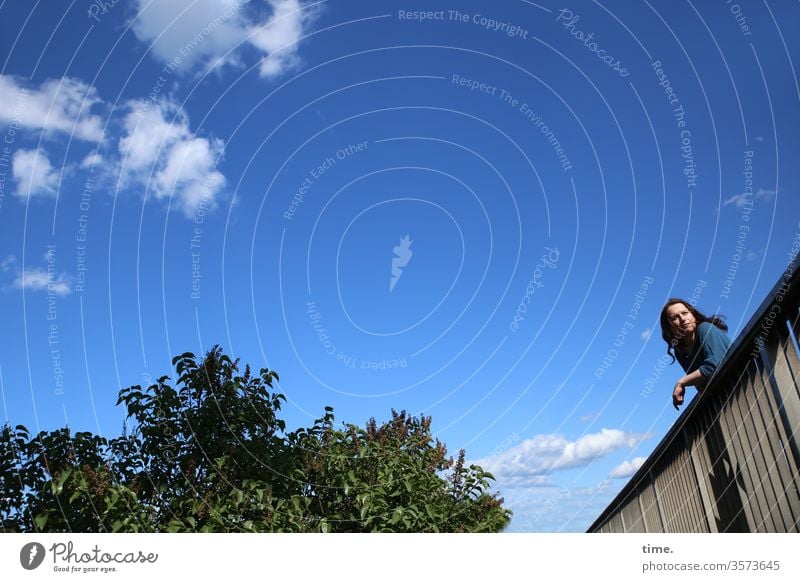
[[674, 339]]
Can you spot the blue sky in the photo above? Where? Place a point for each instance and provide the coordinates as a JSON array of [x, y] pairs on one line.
[[470, 210]]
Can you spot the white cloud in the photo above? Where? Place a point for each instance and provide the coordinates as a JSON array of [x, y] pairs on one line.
[[41, 280], [543, 454], [62, 105], [160, 151], [34, 174], [191, 33], [646, 334], [92, 161], [8, 262], [627, 469], [279, 36], [764, 194], [741, 200]]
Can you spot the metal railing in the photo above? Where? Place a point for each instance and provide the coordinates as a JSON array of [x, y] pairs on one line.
[[731, 461]]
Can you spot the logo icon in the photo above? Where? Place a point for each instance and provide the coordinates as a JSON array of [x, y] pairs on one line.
[[31, 555], [400, 260]]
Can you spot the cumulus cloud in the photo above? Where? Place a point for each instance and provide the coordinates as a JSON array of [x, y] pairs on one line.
[[627, 469], [160, 151], [544, 454], [278, 37], [33, 173], [38, 279], [58, 105], [191, 33]]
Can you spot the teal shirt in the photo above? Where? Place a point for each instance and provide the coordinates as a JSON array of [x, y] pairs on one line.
[[709, 349]]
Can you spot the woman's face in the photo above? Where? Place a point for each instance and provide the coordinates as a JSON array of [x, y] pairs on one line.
[[681, 319]]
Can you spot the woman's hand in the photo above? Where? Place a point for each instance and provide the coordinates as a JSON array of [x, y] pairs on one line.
[[693, 379], [677, 394]]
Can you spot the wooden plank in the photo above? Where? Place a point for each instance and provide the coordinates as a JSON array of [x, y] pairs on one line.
[[694, 445], [779, 439], [751, 465], [773, 459], [777, 363], [735, 516]]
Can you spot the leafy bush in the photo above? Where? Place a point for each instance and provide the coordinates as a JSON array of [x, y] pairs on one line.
[[212, 455]]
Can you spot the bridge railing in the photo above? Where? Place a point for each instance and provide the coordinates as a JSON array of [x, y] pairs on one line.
[[731, 461]]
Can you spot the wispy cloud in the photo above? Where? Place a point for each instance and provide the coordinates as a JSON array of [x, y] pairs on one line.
[[765, 194], [8, 262], [741, 200], [646, 334]]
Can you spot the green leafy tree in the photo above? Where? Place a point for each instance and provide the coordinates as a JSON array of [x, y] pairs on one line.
[[211, 454]]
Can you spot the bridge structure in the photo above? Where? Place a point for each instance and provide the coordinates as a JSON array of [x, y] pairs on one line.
[[731, 462]]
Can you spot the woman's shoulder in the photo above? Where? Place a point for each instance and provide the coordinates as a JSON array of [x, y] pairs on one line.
[[707, 326], [708, 330]]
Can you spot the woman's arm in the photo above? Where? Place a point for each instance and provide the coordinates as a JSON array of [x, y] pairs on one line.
[[696, 378]]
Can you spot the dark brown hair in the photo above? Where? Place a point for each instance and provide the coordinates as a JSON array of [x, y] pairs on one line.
[[673, 340]]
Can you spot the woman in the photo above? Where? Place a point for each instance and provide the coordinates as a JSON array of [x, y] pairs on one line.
[[697, 341]]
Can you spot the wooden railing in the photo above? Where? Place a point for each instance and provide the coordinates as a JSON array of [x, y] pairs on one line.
[[731, 461]]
